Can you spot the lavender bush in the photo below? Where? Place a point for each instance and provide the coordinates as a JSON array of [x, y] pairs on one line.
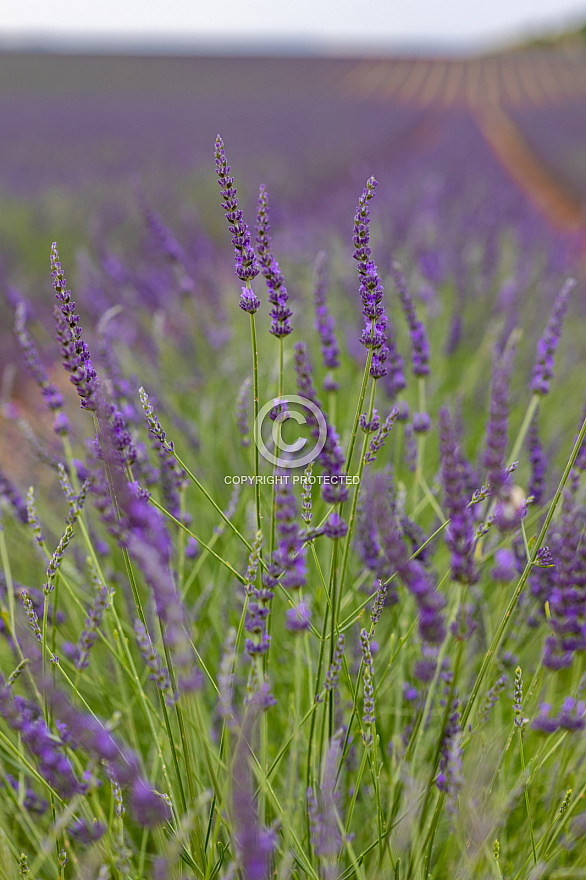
[[216, 664]]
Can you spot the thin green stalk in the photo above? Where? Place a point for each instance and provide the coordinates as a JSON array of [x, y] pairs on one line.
[[526, 787], [490, 655], [359, 406], [207, 547], [256, 409], [352, 517], [418, 476], [218, 509]]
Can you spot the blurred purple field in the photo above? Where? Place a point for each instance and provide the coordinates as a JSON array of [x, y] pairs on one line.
[[481, 165]]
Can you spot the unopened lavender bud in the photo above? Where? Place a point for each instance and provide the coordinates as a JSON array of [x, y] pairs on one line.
[[368, 717], [253, 563], [547, 345], [380, 438], [369, 427], [33, 518], [56, 559], [566, 802], [153, 422], [16, 672], [378, 604], [159, 673], [421, 422], [333, 672], [306, 511], [518, 700], [32, 616]]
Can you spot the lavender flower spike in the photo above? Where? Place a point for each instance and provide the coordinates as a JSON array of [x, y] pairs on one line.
[[76, 355], [460, 532], [246, 266], [324, 321], [496, 441], [50, 392], [159, 673], [368, 717], [371, 289], [547, 345], [380, 438], [278, 296], [419, 341], [93, 621]]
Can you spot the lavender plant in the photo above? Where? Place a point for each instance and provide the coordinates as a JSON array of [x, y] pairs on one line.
[[218, 666]]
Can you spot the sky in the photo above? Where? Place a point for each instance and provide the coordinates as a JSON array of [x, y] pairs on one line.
[[261, 24]]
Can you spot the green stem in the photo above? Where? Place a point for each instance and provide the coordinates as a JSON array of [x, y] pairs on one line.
[[490, 655], [526, 787]]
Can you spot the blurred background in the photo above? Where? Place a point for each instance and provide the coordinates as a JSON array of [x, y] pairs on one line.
[[472, 116]]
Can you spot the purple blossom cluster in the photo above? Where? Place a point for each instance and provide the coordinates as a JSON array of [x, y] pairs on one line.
[[419, 340], [246, 265], [460, 536], [278, 296], [50, 392], [567, 599], [324, 820], [331, 457], [324, 321], [571, 717], [74, 350], [548, 343], [371, 290], [54, 766]]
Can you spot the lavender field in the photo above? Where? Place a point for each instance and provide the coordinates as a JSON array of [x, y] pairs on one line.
[[291, 468]]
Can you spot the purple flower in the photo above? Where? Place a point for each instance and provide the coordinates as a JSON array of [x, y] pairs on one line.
[[76, 355], [547, 345], [323, 815], [92, 623], [379, 603], [460, 536], [380, 438], [10, 494], [496, 442], [159, 673], [298, 618], [538, 461], [331, 456], [544, 722], [505, 568], [86, 832], [491, 699], [450, 778], [278, 296], [324, 321], [335, 527], [368, 715], [334, 669], [26, 718], [419, 341], [255, 843], [421, 422], [371, 289], [571, 715], [50, 392], [567, 599], [245, 259]]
